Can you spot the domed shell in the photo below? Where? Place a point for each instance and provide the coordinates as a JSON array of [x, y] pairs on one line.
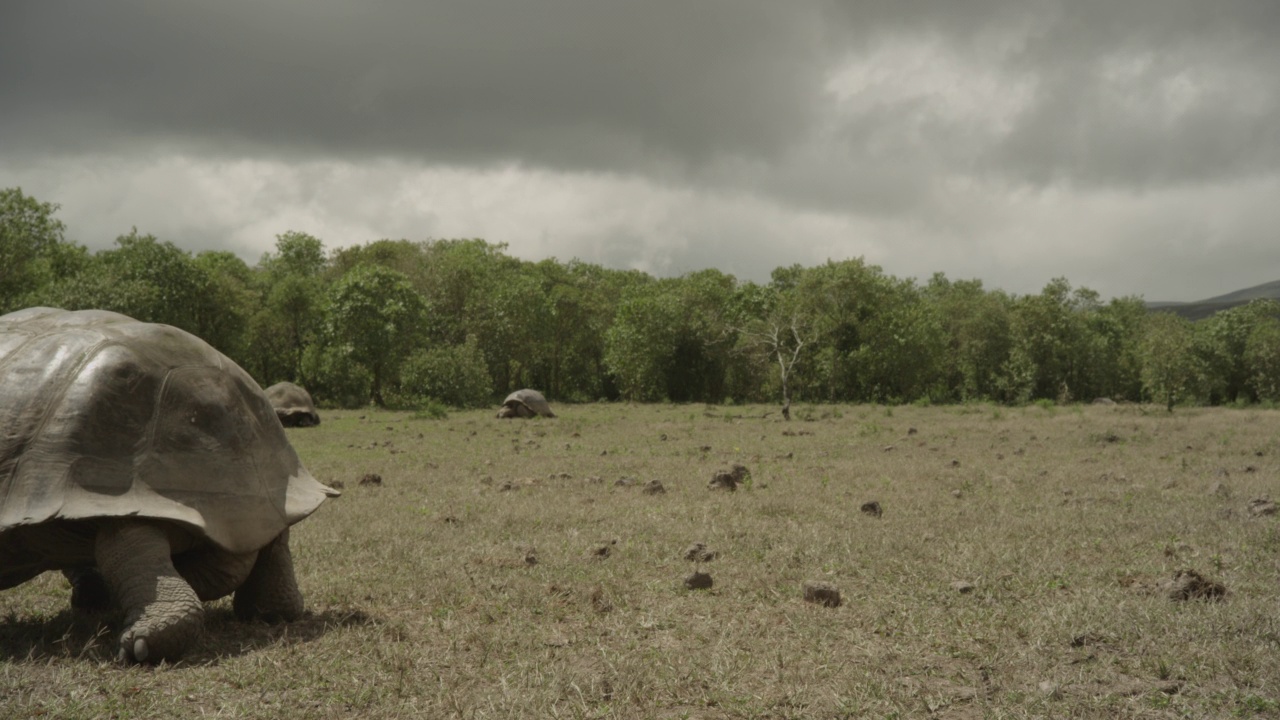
[[293, 405], [105, 416], [525, 403]]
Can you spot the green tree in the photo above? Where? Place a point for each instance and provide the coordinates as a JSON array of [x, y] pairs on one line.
[[221, 317], [1170, 365], [1222, 342], [778, 331], [29, 232], [455, 375], [1262, 359], [156, 281], [976, 330], [1050, 336], [641, 343], [1114, 363], [860, 332], [291, 307], [375, 318]]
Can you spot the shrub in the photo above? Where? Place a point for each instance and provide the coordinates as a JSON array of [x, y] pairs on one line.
[[454, 375]]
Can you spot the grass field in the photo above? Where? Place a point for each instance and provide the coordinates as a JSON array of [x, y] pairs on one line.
[[521, 569]]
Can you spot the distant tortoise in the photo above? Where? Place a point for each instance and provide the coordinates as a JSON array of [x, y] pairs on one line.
[[150, 469], [293, 405], [525, 404]]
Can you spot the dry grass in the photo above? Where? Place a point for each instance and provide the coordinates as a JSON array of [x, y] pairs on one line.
[[500, 571]]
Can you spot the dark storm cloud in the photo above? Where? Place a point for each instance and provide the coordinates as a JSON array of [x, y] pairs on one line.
[[577, 84], [1012, 140], [1122, 92]]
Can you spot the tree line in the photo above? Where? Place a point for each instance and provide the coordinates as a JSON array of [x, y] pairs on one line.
[[462, 323]]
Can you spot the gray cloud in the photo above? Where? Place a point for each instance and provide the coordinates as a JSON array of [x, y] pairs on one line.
[[1132, 147]]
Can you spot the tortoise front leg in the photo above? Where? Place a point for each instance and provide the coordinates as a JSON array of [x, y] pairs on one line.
[[162, 612], [89, 591], [271, 590]]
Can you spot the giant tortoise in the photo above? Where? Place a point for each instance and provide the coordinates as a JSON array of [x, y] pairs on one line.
[[293, 405], [525, 404], [150, 469]]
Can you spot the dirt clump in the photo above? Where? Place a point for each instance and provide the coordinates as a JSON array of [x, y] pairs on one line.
[[371, 479], [603, 550], [872, 508], [698, 580], [822, 593], [729, 479], [1191, 585], [654, 487]]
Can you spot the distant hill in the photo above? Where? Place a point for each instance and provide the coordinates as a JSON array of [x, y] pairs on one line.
[[1201, 309]]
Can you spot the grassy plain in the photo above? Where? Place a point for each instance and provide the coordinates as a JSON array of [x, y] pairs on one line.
[[1015, 572]]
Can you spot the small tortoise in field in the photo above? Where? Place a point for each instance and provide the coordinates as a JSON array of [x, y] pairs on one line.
[[150, 469], [525, 404], [293, 405]]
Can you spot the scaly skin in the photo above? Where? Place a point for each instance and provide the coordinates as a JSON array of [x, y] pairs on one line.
[[162, 612], [271, 591]]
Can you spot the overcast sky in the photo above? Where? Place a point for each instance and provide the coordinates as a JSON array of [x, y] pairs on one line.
[[1131, 146]]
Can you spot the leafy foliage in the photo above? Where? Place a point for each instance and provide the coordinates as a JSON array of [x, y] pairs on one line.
[[460, 321], [374, 316], [455, 375]]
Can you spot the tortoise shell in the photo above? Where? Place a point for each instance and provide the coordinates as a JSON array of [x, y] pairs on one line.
[[293, 405], [525, 403], [104, 416]]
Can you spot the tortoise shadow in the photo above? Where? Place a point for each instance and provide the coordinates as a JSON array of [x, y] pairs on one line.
[[75, 636]]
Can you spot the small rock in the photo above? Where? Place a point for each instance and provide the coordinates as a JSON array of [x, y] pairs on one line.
[[1191, 585], [371, 479], [957, 494], [508, 485], [1050, 689], [530, 557], [698, 581], [911, 431], [698, 552], [963, 587], [955, 463], [872, 508], [822, 593], [625, 481], [654, 487], [887, 448]]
